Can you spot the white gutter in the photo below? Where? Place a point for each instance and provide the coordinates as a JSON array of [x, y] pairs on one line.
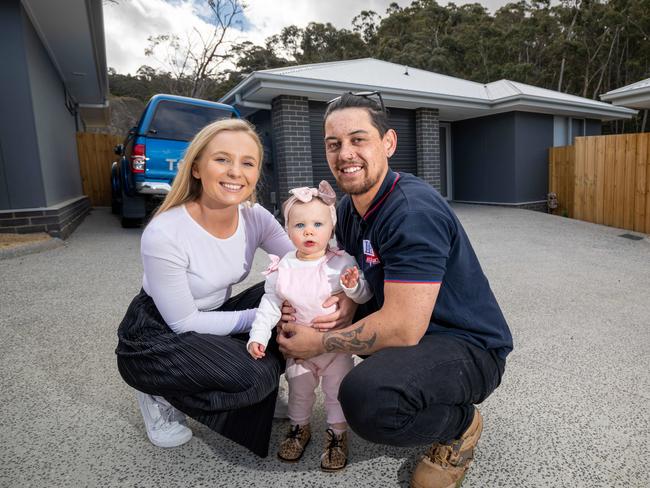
[[293, 85], [94, 105], [257, 105], [635, 97]]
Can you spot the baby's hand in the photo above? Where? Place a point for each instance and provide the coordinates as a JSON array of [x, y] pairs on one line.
[[256, 350], [350, 277]]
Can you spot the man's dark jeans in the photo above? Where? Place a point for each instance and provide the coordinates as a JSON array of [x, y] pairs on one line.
[[412, 396]]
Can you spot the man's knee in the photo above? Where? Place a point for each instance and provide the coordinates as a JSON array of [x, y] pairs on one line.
[[372, 407]]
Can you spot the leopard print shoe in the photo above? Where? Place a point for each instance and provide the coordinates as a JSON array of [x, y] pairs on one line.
[[294, 444], [335, 456]]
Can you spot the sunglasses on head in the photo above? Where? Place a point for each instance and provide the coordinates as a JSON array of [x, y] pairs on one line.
[[364, 94]]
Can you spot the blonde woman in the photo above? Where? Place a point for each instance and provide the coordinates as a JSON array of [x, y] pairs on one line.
[[182, 343]]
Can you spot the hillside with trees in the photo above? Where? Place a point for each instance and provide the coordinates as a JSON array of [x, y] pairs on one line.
[[581, 47]]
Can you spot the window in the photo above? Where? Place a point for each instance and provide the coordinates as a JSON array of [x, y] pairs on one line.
[[566, 129], [181, 121]]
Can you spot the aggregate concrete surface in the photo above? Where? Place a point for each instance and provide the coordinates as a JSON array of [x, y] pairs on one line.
[[572, 411]]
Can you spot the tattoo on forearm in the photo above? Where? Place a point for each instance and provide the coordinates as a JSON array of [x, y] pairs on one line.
[[348, 341]]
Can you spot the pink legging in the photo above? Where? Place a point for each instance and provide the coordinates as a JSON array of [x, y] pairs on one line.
[[302, 388]]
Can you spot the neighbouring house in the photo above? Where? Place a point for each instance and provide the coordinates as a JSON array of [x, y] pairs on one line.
[[53, 83], [636, 95], [473, 142]]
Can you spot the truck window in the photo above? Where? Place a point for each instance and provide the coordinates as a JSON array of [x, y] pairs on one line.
[[181, 121]]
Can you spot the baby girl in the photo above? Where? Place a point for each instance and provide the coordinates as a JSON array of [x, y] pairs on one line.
[[306, 278]]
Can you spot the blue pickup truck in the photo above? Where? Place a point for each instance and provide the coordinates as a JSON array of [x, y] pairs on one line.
[[149, 157]]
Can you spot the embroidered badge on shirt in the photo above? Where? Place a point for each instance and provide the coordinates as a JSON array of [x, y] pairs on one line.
[[371, 257]]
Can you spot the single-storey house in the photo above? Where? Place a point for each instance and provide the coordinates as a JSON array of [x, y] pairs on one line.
[[473, 142], [53, 83], [636, 95]]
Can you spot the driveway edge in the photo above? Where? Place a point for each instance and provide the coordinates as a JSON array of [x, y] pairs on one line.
[[30, 248]]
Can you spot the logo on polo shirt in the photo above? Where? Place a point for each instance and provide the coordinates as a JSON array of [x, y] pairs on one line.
[[369, 252]]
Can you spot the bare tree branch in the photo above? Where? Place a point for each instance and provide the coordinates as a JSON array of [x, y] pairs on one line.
[[199, 56]]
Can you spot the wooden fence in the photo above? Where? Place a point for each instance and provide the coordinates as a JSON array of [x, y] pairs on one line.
[[604, 180], [95, 158]]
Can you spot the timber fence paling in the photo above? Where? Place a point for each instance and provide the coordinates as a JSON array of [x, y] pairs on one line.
[[570, 177], [630, 176], [587, 202], [604, 180], [579, 183], [600, 180], [619, 183], [560, 174], [95, 158], [640, 183], [609, 172]]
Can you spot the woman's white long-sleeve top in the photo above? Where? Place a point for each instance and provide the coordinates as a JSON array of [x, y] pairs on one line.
[[189, 272]]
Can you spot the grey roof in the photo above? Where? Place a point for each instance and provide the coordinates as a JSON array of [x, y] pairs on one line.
[[635, 95], [408, 87]]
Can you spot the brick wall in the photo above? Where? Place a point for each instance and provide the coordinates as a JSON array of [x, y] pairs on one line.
[[58, 221], [291, 140], [428, 145]]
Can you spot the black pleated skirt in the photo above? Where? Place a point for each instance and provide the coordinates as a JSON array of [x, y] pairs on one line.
[[211, 378]]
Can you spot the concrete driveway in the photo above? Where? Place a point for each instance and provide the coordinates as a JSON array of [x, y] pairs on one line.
[[573, 409]]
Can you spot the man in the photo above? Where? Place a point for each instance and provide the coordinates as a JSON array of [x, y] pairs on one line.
[[435, 337]]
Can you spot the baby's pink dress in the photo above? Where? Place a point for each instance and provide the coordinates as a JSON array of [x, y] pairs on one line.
[[307, 288]]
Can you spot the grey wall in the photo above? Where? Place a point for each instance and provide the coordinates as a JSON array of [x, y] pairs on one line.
[[594, 127], [502, 158], [55, 126], [267, 188], [483, 162], [533, 137], [21, 180]]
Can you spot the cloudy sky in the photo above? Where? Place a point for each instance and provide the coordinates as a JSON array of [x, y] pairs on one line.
[[128, 23]]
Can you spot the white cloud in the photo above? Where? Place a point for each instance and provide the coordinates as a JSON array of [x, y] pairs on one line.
[[129, 23]]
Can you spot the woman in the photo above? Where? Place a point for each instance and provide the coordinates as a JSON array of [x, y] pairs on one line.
[[183, 338]]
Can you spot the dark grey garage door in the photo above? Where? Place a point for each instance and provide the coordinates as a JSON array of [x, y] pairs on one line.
[[404, 159]]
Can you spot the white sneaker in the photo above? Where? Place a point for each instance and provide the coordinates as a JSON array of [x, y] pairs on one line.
[[282, 401], [165, 425]]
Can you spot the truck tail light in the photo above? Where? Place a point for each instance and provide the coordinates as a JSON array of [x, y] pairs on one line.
[[138, 159]]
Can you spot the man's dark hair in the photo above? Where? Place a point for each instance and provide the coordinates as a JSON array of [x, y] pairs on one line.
[[377, 112]]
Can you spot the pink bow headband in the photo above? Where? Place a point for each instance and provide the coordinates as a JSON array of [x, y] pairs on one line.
[[305, 194]]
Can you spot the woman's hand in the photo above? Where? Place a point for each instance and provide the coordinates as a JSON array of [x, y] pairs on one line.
[[342, 317]]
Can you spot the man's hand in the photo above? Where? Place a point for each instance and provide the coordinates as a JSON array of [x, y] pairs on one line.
[[402, 321], [288, 312], [299, 341], [341, 318]]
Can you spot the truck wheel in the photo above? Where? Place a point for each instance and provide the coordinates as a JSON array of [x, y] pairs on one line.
[[116, 205], [132, 210], [131, 223]]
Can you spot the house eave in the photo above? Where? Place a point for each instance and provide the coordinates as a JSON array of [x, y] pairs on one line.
[[556, 107], [75, 44], [260, 87], [638, 98], [95, 115]]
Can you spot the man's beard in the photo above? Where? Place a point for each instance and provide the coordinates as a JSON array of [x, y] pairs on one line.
[[357, 188]]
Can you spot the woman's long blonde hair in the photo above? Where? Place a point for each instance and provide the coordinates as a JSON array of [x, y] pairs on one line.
[[186, 188]]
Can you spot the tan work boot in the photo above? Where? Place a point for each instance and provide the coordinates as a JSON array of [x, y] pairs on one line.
[[335, 456], [293, 446], [444, 465]]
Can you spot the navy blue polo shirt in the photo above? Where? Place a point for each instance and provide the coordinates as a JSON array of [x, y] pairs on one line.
[[410, 235]]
